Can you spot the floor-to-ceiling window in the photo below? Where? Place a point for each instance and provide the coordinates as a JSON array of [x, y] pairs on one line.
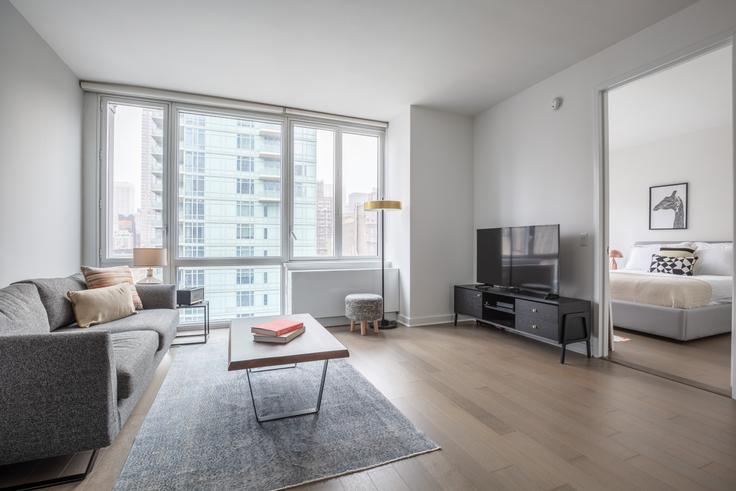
[[335, 171], [234, 195]]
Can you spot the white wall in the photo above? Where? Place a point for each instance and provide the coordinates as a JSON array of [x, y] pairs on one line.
[[398, 187], [535, 165], [40, 156], [704, 159], [429, 168], [441, 212]]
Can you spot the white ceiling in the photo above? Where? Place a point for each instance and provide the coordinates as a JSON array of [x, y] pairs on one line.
[[366, 58], [688, 97]]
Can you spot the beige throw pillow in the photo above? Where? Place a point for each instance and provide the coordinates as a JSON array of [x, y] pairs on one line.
[[676, 251], [100, 305], [102, 277]]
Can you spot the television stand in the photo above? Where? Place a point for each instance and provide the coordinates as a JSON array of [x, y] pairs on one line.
[[555, 319]]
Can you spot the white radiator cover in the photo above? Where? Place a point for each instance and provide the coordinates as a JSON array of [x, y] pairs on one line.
[[321, 292]]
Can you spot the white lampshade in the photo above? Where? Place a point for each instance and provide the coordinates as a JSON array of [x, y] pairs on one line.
[[149, 256]]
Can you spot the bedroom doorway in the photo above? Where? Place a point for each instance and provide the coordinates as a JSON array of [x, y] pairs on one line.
[[670, 220]]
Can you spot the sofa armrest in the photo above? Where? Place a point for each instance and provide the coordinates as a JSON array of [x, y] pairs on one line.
[[157, 296], [57, 394]]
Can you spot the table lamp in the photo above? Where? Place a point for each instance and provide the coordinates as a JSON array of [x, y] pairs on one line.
[[149, 257], [383, 205], [614, 254]]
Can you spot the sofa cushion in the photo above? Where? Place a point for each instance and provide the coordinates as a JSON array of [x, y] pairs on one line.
[[53, 296], [162, 321], [134, 353], [21, 311], [101, 305]]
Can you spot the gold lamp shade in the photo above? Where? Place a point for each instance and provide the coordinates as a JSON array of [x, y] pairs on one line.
[[382, 204]]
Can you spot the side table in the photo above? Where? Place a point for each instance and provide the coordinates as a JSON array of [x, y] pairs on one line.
[[204, 304]]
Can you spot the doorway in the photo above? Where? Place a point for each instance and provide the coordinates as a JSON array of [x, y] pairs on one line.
[[669, 209]]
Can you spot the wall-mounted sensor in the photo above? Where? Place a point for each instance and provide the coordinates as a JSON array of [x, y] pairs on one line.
[[556, 103]]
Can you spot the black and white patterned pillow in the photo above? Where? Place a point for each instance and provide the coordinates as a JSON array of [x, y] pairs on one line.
[[682, 266]]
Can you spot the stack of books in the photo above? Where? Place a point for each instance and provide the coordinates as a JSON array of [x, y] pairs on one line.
[[280, 331]]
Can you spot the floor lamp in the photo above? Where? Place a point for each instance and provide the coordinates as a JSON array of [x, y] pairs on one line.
[[382, 205]]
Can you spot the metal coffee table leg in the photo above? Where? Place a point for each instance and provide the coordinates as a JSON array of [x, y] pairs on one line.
[[291, 414]]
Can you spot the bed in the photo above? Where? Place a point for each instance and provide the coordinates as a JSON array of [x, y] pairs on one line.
[[675, 307]]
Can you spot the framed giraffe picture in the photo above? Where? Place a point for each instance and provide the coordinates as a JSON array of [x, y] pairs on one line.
[[668, 207]]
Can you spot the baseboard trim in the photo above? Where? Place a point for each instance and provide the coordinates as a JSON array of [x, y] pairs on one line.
[[428, 320]]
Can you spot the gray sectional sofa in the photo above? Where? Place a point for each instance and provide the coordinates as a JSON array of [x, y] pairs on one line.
[[64, 389]]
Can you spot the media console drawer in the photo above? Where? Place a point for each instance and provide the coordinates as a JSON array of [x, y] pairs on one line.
[[537, 310], [539, 326]]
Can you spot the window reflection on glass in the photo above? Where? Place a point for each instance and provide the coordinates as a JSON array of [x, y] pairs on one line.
[[313, 192], [233, 291], [359, 184], [135, 156], [227, 165]]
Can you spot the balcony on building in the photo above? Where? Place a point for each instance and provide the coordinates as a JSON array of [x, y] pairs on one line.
[[270, 153]]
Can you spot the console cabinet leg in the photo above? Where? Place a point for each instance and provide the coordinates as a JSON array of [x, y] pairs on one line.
[[456, 318]]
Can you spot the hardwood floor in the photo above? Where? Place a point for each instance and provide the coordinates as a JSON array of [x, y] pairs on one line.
[[703, 362], [509, 416]]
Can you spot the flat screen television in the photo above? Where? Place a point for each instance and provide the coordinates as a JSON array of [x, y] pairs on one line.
[[523, 258]]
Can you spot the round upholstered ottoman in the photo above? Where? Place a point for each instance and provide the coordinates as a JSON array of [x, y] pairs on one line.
[[364, 308]]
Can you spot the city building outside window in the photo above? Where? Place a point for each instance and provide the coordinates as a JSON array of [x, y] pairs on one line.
[[245, 208], [244, 298], [246, 186], [245, 251], [245, 142], [245, 231], [245, 276], [245, 164]]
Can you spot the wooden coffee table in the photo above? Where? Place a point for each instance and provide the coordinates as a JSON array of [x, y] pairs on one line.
[[315, 344]]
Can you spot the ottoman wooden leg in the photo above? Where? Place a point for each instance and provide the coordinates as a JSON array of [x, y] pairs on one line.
[[363, 327], [352, 325], [375, 326]]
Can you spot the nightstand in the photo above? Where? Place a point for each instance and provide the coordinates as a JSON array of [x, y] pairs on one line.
[[204, 304]]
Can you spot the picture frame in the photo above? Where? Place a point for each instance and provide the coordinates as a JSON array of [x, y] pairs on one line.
[[668, 206]]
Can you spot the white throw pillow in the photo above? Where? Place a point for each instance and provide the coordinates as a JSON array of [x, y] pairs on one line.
[[640, 257], [714, 259]]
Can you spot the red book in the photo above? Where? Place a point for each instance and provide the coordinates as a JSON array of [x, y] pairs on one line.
[[278, 327]]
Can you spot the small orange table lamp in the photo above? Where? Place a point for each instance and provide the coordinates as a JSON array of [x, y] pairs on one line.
[[613, 254]]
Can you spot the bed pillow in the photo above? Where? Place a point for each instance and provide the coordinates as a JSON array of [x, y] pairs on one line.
[[714, 259], [676, 251], [640, 257], [681, 266]]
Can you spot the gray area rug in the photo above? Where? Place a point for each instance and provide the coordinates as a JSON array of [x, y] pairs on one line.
[[201, 432]]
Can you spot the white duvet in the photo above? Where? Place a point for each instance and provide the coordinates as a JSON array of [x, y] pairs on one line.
[[722, 286]]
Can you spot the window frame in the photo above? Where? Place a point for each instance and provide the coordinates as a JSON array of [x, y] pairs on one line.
[[338, 129], [106, 195], [170, 207]]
